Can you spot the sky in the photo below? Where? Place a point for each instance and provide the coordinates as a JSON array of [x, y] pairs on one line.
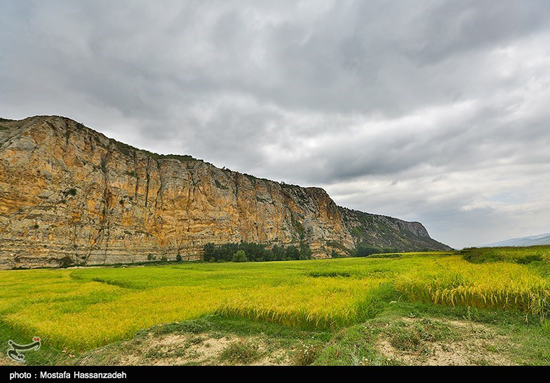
[[431, 111]]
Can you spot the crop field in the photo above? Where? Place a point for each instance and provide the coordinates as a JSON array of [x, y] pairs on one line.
[[80, 309]]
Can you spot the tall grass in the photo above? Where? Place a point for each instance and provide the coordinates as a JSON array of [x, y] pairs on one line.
[[500, 285], [86, 308]]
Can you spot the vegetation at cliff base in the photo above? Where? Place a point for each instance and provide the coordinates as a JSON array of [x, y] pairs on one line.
[[84, 308], [255, 252]]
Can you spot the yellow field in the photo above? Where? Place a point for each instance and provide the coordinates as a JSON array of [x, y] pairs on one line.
[[85, 308]]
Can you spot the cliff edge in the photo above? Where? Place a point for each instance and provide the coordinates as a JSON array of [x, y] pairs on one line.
[[70, 195]]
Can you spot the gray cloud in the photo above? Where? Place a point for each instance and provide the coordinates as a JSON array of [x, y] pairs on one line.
[[431, 111]]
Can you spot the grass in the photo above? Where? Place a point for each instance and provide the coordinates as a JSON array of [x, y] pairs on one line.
[[492, 285], [521, 255], [241, 352], [324, 304], [416, 336]]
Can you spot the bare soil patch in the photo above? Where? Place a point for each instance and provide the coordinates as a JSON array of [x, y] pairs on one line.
[[413, 341], [5, 361], [189, 349]]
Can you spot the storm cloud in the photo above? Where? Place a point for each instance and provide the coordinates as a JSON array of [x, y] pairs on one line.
[[431, 111]]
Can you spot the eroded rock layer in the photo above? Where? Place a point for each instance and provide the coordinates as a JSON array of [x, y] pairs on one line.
[[70, 195]]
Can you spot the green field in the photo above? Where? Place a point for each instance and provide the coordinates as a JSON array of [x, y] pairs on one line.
[[326, 305]]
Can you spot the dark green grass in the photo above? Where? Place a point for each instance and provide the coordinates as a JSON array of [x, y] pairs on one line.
[[521, 255]]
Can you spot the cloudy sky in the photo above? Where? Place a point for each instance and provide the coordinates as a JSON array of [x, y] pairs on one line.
[[432, 111]]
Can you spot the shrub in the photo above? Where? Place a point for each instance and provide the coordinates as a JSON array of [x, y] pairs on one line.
[[209, 252], [306, 355], [292, 252], [66, 261], [241, 352], [239, 256], [484, 257], [385, 255], [305, 251], [528, 259]]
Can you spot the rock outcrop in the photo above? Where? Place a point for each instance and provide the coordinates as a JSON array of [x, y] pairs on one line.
[[70, 195]]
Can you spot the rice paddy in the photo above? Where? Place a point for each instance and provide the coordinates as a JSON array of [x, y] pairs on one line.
[[81, 309]]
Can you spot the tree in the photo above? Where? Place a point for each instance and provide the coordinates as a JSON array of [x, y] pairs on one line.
[[364, 250], [305, 251], [239, 256], [209, 252], [278, 253], [292, 252]]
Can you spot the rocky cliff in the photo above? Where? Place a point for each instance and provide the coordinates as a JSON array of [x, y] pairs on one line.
[[70, 195]]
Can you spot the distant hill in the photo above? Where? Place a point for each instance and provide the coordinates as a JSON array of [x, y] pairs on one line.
[[542, 239]]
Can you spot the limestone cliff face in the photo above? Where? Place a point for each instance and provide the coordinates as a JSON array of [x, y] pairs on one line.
[[70, 195]]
